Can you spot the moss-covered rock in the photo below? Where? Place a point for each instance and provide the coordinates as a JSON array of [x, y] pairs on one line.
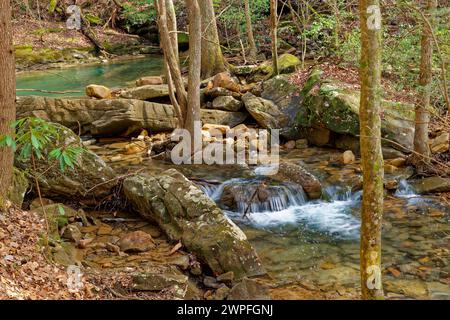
[[185, 213], [18, 188], [286, 64], [90, 178]]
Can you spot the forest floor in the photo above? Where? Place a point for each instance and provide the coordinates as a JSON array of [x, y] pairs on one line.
[[56, 35], [26, 272]]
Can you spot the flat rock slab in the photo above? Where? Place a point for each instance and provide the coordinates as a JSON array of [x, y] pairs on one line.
[[114, 116], [147, 92]]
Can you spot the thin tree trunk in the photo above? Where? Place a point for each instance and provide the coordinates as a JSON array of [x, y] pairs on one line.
[[371, 155], [195, 49], [172, 26], [212, 59], [274, 34], [422, 114], [7, 95], [251, 40], [171, 59]]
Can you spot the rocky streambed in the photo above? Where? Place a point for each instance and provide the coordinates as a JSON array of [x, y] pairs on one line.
[[230, 231]]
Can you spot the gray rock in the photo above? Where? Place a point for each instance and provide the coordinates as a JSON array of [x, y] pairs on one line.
[[182, 210], [18, 188], [265, 112], [431, 185], [226, 118], [158, 281], [227, 103]]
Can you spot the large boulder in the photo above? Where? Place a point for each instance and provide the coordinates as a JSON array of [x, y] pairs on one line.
[[100, 117], [265, 112], [336, 107], [147, 92], [90, 178], [286, 64], [226, 118], [186, 214], [431, 185]]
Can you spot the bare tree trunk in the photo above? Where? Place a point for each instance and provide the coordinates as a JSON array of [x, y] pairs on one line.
[[212, 59], [251, 40], [172, 62], [172, 26], [7, 95], [420, 159], [371, 155], [195, 52], [274, 34]]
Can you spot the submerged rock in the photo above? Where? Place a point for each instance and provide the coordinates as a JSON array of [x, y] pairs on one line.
[[137, 241], [249, 289], [186, 214]]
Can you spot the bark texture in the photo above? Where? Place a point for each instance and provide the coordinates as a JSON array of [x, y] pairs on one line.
[[274, 34], [250, 38], [371, 155], [212, 59], [422, 114], [195, 48], [7, 95]]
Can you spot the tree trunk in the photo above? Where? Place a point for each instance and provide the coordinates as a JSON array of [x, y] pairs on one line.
[[172, 26], [251, 40], [212, 58], [371, 156], [7, 95], [274, 34], [172, 62], [195, 50], [420, 159]]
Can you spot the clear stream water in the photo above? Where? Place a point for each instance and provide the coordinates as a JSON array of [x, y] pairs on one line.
[[112, 75]]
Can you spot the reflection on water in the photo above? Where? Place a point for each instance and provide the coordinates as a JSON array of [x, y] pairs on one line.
[[112, 75]]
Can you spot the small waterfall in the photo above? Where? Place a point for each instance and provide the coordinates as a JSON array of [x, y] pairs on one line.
[[405, 190], [340, 193], [257, 196]]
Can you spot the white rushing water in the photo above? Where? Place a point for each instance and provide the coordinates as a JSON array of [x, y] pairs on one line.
[[287, 204]]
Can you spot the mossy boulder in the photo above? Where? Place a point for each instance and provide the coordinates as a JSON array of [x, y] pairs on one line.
[[186, 214], [286, 64], [336, 107], [91, 177], [19, 187]]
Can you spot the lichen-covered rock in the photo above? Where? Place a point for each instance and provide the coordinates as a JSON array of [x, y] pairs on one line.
[[336, 107], [90, 178], [227, 103], [18, 188], [147, 92], [186, 214], [265, 112]]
